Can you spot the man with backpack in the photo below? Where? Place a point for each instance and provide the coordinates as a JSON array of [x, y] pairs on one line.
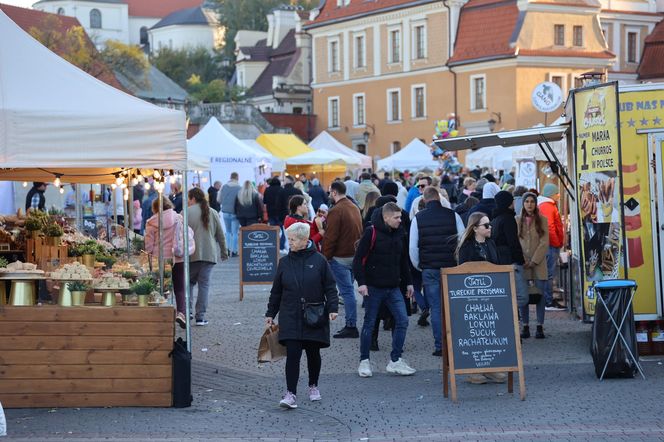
[[380, 266]]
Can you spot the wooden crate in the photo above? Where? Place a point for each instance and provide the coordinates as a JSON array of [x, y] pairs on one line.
[[38, 252], [52, 356]]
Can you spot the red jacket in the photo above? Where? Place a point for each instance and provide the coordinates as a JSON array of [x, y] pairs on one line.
[[314, 234], [549, 209]]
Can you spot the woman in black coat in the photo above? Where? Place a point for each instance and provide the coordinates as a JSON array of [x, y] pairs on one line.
[[476, 243], [303, 277]]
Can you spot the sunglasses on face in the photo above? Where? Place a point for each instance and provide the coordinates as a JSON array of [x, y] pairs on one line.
[[486, 225], [421, 186]]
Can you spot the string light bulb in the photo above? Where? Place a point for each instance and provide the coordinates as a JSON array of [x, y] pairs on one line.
[[146, 185], [62, 190], [139, 176], [172, 179], [25, 184], [156, 174], [114, 186], [56, 181], [125, 195], [134, 181]]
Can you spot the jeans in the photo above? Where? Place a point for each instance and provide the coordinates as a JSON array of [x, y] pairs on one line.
[[343, 275], [394, 301], [551, 263], [525, 310], [294, 354], [431, 283], [199, 273], [417, 287], [232, 226], [274, 221]]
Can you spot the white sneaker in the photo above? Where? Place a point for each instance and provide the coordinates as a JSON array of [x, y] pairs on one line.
[[400, 367], [365, 369]]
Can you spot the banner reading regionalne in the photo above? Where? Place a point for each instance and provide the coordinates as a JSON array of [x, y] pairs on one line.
[[599, 186]]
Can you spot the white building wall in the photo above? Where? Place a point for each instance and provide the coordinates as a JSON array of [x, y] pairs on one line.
[[135, 25], [249, 72], [181, 37]]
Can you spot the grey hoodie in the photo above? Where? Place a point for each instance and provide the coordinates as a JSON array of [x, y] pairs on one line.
[[227, 197]]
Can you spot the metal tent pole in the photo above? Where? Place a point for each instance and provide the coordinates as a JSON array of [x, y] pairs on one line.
[[161, 244], [187, 288]]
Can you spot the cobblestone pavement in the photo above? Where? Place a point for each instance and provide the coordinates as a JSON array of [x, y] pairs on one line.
[[236, 399]]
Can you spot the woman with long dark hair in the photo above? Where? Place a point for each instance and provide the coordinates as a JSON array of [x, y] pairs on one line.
[[534, 238], [205, 223]]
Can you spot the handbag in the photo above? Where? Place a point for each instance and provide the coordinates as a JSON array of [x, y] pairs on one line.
[[314, 314], [269, 348]]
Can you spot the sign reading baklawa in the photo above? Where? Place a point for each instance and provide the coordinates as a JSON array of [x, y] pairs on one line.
[[599, 186]]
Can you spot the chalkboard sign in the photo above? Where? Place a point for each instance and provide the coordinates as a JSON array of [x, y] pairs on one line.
[[481, 322], [259, 254]]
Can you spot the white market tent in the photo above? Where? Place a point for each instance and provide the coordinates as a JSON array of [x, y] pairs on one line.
[[55, 118], [415, 156], [323, 158], [492, 157], [325, 141], [228, 154], [278, 165]]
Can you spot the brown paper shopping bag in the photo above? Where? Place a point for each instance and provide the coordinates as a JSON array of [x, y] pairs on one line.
[[269, 348]]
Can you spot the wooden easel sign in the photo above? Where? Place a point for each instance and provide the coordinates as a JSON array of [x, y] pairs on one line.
[[481, 324], [259, 255]]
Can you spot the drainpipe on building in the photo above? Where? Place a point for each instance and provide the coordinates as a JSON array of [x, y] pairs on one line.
[[450, 50]]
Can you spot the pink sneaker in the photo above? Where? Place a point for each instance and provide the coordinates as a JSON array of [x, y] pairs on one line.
[[288, 400], [314, 393]]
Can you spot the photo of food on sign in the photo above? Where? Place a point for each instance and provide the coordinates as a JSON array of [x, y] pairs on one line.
[[601, 250], [599, 197]]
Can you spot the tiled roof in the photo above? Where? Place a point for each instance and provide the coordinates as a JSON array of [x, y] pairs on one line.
[[652, 60], [189, 16], [32, 18], [485, 30], [330, 12], [158, 87], [281, 61], [158, 8], [260, 52], [287, 45]]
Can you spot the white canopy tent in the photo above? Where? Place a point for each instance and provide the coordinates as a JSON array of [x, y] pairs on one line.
[[416, 155], [228, 154], [492, 157], [278, 165], [323, 158], [325, 141], [56, 117]]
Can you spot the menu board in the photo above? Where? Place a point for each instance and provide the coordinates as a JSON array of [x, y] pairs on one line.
[[481, 323], [259, 254]]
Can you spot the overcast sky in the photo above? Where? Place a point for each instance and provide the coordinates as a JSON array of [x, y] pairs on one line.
[[23, 3]]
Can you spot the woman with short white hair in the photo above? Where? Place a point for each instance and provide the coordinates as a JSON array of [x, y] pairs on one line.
[[304, 294]]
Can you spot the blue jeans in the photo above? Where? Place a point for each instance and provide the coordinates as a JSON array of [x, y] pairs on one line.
[[525, 310], [343, 275], [274, 221], [551, 262], [232, 226], [394, 301], [521, 286], [431, 284], [417, 287]]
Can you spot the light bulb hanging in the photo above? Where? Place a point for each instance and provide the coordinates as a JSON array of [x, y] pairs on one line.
[[114, 186], [146, 185], [25, 184], [62, 189], [56, 181]]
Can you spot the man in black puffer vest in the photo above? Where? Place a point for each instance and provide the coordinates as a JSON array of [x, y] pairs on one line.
[[434, 233], [380, 266]]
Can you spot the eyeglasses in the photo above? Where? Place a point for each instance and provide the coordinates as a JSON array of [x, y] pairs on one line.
[[486, 225]]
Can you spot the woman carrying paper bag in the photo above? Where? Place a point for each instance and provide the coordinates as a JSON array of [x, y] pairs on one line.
[[304, 294]]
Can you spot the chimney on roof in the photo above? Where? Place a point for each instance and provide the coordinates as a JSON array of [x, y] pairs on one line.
[[454, 9], [284, 18]]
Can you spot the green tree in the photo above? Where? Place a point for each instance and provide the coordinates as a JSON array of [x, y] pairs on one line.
[[180, 64], [128, 60]]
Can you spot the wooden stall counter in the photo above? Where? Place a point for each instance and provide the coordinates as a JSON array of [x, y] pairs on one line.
[[52, 356]]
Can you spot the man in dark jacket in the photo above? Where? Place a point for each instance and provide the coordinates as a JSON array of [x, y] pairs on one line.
[[434, 234], [284, 196], [317, 194], [213, 196], [505, 234], [271, 201], [35, 198], [380, 266]]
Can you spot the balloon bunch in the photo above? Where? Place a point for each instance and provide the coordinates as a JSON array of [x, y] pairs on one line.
[[446, 129]]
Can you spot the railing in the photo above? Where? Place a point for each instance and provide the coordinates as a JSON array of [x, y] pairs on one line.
[[232, 113]]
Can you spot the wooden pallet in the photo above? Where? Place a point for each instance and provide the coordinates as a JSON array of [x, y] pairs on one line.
[[45, 256], [52, 356]]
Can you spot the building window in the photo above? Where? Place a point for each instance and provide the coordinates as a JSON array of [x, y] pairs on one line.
[[95, 19], [342, 3], [396, 146], [358, 110], [333, 56], [478, 92], [393, 104], [578, 36], [419, 103], [632, 47], [560, 80], [419, 42], [333, 112], [61, 11], [360, 50], [394, 46], [144, 35], [559, 35], [361, 148]]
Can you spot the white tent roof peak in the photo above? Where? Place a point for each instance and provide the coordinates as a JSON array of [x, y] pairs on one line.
[[54, 115], [416, 155], [324, 158], [326, 141]]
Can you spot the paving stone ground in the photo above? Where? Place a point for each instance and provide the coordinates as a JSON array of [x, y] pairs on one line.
[[237, 399]]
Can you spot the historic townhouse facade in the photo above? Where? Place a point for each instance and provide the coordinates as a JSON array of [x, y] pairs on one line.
[[379, 72]]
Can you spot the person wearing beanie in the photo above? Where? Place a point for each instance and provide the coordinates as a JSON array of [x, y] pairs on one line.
[[547, 204], [490, 178], [488, 203], [390, 188], [505, 234]]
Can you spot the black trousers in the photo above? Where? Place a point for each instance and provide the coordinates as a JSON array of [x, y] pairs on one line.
[[294, 354]]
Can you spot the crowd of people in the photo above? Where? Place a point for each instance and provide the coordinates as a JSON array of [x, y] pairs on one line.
[[390, 238]]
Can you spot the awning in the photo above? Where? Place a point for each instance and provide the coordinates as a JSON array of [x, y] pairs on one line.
[[506, 138], [283, 145]]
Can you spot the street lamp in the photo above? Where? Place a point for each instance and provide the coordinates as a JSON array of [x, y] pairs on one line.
[[492, 122], [366, 133]]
